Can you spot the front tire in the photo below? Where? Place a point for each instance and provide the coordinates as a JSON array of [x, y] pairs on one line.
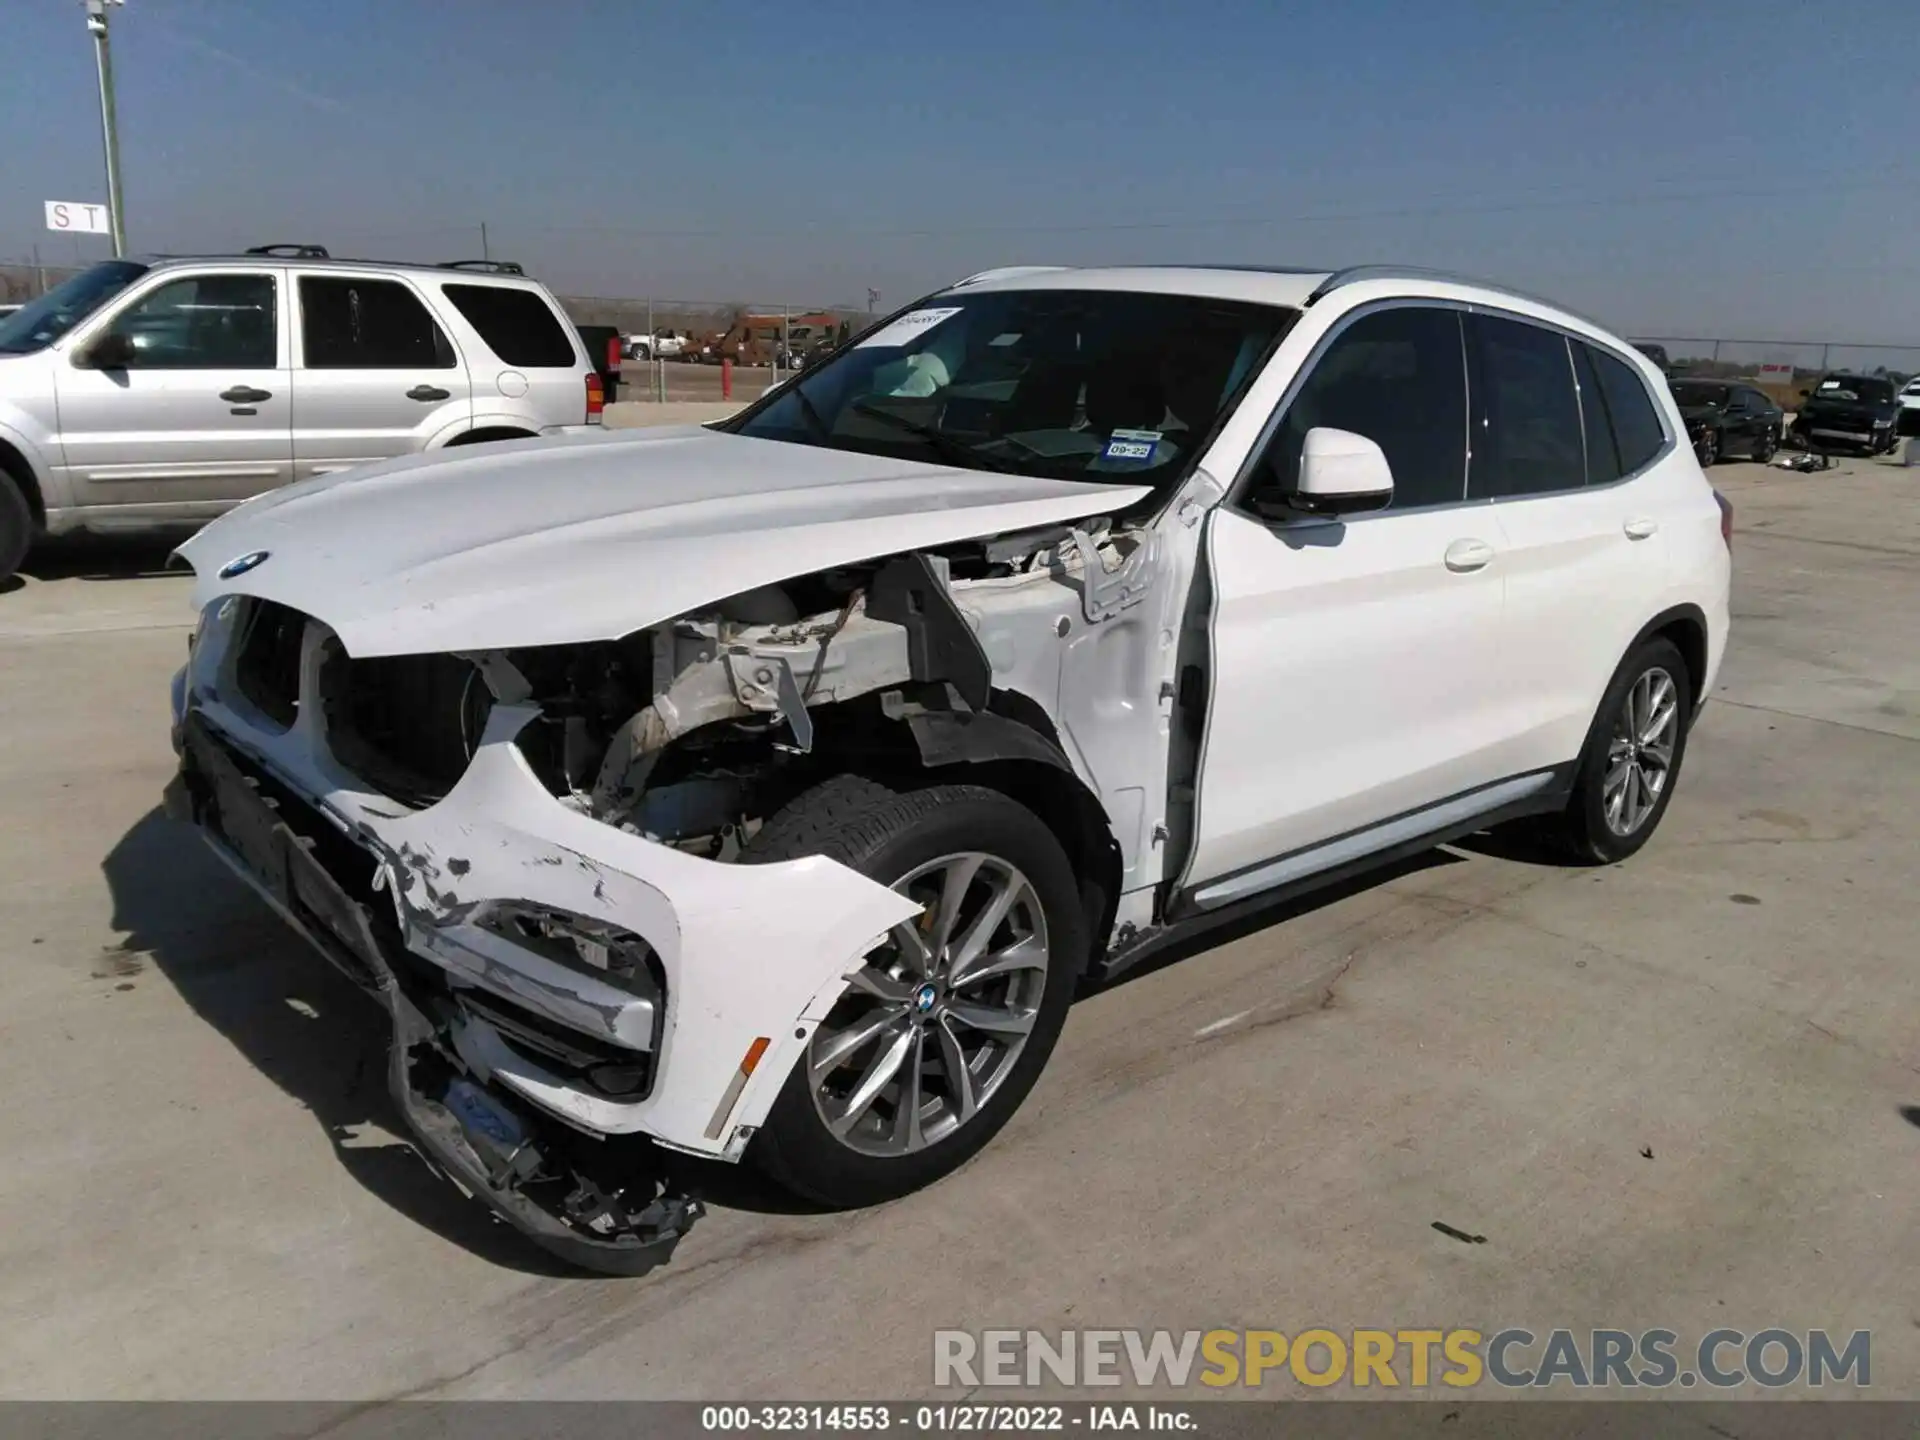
[[1631, 761], [952, 1017]]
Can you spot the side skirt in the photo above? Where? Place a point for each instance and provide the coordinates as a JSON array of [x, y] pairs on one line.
[[1228, 898]]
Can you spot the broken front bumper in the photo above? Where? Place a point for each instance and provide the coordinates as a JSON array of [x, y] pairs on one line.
[[499, 1040]]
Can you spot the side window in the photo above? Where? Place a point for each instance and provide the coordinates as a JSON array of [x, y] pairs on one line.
[[1396, 376], [204, 322], [518, 325], [354, 324], [1636, 424], [1603, 455], [1527, 431]]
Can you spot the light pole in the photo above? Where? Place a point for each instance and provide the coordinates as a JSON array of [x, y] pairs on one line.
[[109, 131]]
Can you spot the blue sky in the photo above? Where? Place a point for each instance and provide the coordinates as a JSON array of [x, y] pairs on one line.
[[1675, 168]]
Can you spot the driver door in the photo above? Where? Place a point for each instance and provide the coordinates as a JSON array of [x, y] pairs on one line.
[[199, 415], [1356, 675]]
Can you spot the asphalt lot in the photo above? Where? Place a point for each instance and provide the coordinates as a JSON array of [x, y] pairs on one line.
[[1676, 1093]]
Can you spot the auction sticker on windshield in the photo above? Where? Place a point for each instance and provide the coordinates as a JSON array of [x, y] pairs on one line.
[[908, 328]]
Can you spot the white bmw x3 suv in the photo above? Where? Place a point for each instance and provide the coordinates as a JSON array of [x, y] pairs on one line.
[[765, 790]]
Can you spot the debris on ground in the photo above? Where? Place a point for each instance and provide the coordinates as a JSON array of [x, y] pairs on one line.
[[1460, 1235]]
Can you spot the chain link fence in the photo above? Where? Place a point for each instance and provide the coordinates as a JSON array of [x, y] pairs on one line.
[[1782, 362]]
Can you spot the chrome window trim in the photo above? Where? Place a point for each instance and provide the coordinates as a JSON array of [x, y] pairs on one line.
[[1242, 480]]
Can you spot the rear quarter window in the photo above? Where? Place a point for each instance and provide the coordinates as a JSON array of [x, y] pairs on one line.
[[518, 325], [1636, 424]]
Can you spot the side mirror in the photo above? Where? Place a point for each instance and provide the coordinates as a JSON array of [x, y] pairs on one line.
[[1341, 473], [112, 351]]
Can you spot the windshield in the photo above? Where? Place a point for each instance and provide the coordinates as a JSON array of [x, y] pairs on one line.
[[41, 322], [1698, 392], [1083, 385], [1854, 387]]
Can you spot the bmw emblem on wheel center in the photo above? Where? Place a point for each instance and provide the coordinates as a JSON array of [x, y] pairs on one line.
[[924, 997], [252, 560]]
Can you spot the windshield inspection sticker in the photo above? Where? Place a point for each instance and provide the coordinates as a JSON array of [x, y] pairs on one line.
[[908, 328], [1134, 447]]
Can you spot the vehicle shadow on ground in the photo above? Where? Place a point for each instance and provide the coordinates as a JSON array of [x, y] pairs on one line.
[[313, 1033], [302, 1024], [1240, 925], [83, 556]]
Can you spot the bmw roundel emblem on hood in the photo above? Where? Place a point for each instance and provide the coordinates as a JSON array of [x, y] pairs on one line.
[[252, 560]]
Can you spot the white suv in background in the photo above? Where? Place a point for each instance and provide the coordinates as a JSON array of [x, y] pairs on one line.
[[1910, 407], [766, 790], [153, 392]]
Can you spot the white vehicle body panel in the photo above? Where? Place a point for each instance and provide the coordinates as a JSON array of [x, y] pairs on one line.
[[1365, 680], [540, 542]]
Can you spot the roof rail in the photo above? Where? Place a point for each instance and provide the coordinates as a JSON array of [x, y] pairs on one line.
[[1007, 272], [1354, 274], [489, 267], [291, 252]]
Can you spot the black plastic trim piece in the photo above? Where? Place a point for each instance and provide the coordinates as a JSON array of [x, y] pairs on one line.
[[941, 644]]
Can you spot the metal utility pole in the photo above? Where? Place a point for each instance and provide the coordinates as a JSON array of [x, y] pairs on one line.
[[109, 131], [485, 253]]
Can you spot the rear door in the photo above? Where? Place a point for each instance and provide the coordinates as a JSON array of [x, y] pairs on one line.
[[1568, 448], [199, 415], [374, 374]]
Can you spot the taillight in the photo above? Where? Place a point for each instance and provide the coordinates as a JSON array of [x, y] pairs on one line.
[[613, 353], [1726, 518], [596, 397]]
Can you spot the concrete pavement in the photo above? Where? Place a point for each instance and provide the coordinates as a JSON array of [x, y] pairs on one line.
[[205, 1196]]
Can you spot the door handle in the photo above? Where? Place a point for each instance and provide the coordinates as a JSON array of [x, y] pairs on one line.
[[428, 392], [1640, 529], [1467, 555], [245, 395]]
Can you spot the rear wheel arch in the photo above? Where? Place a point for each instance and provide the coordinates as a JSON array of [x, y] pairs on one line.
[[488, 432], [1686, 627]]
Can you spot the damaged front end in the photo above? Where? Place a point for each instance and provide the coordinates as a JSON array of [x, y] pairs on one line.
[[541, 859]]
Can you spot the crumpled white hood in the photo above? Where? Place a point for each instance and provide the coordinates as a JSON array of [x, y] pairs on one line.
[[542, 542]]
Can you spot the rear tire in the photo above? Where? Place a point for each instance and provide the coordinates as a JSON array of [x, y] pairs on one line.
[[16, 526], [1707, 449], [1769, 445], [848, 1131], [1625, 779]]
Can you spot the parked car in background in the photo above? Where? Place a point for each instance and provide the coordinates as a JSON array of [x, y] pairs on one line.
[[1727, 418], [770, 789], [1854, 412], [664, 346], [145, 392], [1910, 407], [1658, 355]]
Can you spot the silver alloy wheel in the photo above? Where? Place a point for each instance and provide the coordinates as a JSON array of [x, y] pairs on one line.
[[935, 1020], [1640, 753]]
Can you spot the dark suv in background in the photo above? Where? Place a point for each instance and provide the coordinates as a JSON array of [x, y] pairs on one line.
[[1854, 412], [1727, 418]]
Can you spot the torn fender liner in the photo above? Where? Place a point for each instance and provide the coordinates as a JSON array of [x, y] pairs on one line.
[[470, 1134]]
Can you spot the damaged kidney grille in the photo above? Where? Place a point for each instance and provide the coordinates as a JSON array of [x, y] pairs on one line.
[[267, 659], [407, 724]]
